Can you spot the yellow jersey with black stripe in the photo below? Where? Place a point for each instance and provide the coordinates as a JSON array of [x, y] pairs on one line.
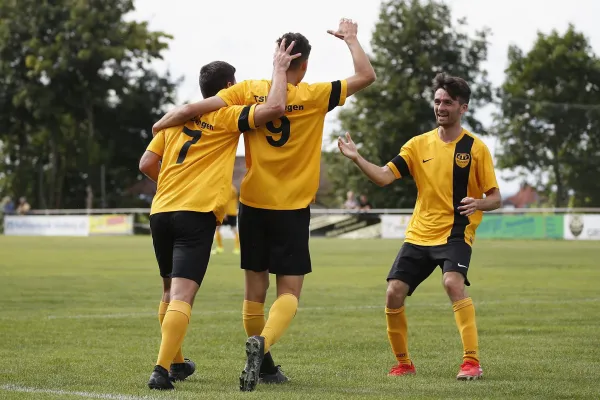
[[445, 173], [198, 160], [284, 156], [232, 205]]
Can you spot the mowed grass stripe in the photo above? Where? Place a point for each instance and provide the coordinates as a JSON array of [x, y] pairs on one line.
[[537, 307]]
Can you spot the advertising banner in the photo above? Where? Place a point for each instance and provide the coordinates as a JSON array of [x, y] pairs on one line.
[[394, 226], [111, 224], [582, 227], [350, 226], [46, 225], [496, 226]]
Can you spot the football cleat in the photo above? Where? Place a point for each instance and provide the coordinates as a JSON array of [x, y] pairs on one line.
[[180, 371], [469, 370], [255, 352], [275, 378], [159, 379], [403, 369]]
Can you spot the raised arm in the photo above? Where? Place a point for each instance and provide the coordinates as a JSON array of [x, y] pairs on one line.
[[381, 176], [274, 107], [182, 114], [364, 74]]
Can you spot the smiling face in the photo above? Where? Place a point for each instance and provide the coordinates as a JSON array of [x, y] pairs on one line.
[[448, 111]]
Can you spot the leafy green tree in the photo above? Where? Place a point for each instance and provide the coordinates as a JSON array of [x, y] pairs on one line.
[[549, 120], [77, 92], [412, 42]]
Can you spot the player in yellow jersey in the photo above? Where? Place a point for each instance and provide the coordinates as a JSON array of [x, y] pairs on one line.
[[283, 161], [193, 167], [231, 212], [452, 169]]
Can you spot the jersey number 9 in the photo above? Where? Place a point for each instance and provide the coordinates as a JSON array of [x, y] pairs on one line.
[[283, 129]]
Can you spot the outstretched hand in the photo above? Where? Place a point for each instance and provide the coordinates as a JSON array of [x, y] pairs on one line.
[[348, 147], [346, 30]]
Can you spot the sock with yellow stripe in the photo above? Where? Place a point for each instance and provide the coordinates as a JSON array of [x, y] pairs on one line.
[[281, 314], [397, 330], [219, 238], [174, 327], [162, 310], [464, 314]]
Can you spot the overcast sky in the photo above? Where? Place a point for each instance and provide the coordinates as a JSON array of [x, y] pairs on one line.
[[243, 33]]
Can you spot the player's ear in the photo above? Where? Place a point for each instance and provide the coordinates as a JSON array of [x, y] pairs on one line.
[[230, 84], [464, 108], [304, 65]]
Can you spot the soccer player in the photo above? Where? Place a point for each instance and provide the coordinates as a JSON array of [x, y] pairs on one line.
[[193, 166], [453, 169], [231, 212], [283, 160]]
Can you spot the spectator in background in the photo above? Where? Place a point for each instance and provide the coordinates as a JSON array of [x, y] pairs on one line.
[[363, 203], [350, 203], [24, 206], [8, 206]]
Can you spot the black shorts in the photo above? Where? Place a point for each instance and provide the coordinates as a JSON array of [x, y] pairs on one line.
[[182, 242], [415, 263], [275, 240], [230, 220]]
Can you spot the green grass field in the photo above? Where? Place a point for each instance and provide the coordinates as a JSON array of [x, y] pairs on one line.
[[78, 320]]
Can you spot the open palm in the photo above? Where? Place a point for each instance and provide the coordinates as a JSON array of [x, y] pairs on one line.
[[348, 147]]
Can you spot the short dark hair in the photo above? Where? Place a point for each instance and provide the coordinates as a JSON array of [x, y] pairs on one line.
[[456, 87], [301, 46], [214, 76]]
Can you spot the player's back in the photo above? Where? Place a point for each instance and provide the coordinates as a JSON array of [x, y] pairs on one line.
[[283, 157], [197, 162]]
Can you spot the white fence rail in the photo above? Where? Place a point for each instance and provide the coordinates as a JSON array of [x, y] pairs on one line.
[[326, 211]]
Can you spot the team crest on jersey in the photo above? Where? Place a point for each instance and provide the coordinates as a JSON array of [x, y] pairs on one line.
[[462, 159]]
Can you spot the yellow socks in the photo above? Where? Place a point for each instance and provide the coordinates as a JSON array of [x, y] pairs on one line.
[[253, 314], [464, 314], [397, 330], [219, 238], [174, 326], [237, 240], [162, 310], [280, 316]]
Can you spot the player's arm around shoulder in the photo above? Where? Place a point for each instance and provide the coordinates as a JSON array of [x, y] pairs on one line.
[[364, 74], [181, 114], [381, 176]]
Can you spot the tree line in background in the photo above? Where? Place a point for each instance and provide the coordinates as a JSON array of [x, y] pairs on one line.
[[78, 97]]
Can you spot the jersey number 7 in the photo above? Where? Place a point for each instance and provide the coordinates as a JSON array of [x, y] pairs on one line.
[[195, 136], [283, 129]]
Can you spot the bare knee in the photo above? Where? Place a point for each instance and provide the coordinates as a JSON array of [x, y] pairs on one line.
[[396, 293], [183, 289], [166, 297], [454, 283], [257, 284], [291, 284]]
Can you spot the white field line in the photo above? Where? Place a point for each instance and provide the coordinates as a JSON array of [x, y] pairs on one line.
[[89, 395], [340, 308]]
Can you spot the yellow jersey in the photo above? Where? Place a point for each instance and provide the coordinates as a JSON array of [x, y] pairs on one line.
[[444, 173], [232, 205], [283, 158], [198, 160]]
